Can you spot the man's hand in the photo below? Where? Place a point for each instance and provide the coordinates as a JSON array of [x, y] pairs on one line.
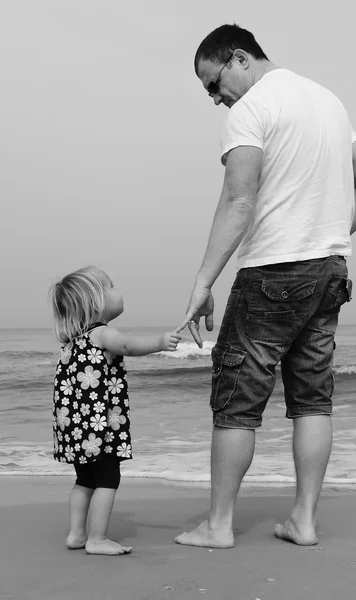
[[201, 304]]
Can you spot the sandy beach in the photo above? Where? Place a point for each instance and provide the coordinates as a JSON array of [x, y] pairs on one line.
[[35, 564]]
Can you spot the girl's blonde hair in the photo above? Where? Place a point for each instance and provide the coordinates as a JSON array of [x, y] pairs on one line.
[[78, 301]]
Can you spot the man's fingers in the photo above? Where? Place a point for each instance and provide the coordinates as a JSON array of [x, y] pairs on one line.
[[195, 334], [188, 317], [209, 322], [194, 330]]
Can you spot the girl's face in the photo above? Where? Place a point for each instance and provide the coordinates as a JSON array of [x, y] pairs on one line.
[[114, 304]]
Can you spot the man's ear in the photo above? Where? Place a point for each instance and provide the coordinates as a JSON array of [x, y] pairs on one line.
[[242, 57]]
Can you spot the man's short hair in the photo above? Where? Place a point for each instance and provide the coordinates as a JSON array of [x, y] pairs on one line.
[[220, 43]]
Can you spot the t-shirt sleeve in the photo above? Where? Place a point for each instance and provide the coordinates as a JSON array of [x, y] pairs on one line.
[[245, 126]]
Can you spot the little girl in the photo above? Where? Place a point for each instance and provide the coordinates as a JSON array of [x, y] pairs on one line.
[[91, 425]]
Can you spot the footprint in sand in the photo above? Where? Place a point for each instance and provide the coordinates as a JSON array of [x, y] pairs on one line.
[[179, 590]]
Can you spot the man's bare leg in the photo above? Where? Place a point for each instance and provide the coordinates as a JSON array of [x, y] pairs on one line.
[[231, 455], [312, 441]]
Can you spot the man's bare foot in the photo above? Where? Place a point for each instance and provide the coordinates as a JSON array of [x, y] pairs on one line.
[[76, 542], [106, 547], [290, 532], [205, 537]]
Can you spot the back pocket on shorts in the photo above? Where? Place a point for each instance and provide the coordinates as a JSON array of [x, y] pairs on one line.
[[227, 362], [278, 307]]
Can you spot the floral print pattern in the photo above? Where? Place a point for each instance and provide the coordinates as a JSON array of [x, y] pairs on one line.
[[89, 378], [115, 418], [91, 415]]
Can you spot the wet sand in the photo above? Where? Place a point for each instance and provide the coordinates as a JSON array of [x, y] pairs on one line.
[[35, 564]]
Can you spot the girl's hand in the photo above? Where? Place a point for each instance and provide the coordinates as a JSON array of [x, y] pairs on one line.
[[169, 341]]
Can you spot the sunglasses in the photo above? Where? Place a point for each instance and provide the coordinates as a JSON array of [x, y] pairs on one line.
[[213, 87]]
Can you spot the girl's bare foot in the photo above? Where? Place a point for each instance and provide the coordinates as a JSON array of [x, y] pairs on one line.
[[106, 547], [76, 542], [290, 532], [205, 537]]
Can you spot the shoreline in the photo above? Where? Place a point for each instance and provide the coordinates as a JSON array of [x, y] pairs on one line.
[[248, 482], [42, 487]]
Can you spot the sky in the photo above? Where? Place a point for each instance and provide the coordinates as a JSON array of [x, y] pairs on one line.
[[110, 146]]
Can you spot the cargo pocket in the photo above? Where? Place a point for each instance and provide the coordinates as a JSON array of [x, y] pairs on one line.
[[227, 362]]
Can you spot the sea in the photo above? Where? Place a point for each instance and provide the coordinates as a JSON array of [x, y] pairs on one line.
[[170, 414]]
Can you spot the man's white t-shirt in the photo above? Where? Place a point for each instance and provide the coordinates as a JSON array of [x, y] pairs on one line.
[[305, 200]]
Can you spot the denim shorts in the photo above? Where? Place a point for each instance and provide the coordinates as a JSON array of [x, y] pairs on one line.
[[284, 313]]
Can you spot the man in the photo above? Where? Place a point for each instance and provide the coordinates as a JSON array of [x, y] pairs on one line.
[[287, 206]]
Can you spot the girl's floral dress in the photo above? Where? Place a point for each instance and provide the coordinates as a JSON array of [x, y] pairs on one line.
[[91, 415]]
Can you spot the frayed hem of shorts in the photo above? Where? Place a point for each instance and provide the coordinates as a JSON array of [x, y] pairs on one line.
[[311, 414], [232, 425]]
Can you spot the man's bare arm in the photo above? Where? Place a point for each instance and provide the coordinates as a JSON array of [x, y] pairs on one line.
[[232, 218], [234, 211], [353, 226]]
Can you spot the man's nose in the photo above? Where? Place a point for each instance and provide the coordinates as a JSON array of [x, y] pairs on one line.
[[217, 99]]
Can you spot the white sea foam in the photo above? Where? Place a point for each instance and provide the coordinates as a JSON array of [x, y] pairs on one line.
[[189, 350], [345, 370], [183, 477], [271, 468]]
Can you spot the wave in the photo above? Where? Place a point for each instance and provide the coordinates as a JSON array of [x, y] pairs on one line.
[[171, 372], [37, 367], [28, 354], [29, 383], [345, 370], [338, 369], [184, 350], [175, 465], [189, 350], [184, 478]]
